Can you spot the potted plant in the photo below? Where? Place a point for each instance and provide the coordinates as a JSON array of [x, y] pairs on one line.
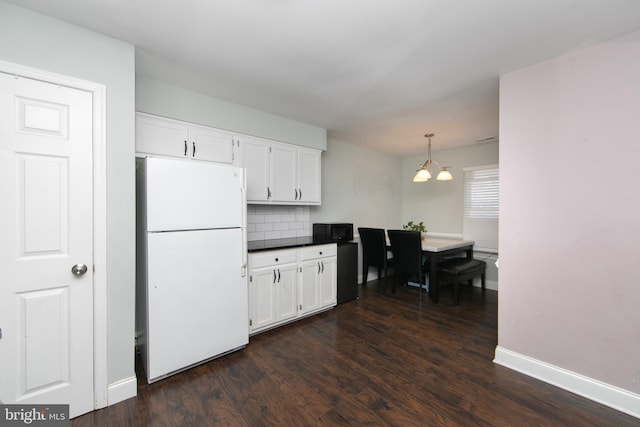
[[416, 227]]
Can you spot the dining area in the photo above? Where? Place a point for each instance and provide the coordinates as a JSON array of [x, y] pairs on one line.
[[416, 260]]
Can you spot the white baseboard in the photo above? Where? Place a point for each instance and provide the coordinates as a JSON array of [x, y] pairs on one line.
[[122, 390], [614, 397]]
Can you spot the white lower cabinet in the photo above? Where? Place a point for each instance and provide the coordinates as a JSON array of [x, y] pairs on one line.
[[318, 275], [290, 283]]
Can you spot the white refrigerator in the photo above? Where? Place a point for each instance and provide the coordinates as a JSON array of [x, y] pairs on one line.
[[192, 296]]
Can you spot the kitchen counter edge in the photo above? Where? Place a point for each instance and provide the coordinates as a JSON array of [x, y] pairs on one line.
[[288, 243]]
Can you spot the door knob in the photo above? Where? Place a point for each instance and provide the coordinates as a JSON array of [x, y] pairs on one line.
[[79, 269]]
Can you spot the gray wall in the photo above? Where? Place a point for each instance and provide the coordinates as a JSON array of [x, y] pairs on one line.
[[359, 186], [38, 41], [440, 204], [569, 229], [163, 99]]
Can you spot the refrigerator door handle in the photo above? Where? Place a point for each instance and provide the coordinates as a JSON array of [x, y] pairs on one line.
[[243, 201]]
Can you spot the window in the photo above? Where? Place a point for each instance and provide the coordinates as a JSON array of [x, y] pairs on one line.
[[481, 202]]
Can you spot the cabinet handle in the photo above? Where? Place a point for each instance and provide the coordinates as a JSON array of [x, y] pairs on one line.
[[300, 192], [185, 148], [278, 275], [318, 268], [296, 192], [193, 153], [274, 276], [268, 193], [322, 262]]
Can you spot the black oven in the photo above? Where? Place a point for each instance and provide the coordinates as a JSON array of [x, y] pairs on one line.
[[333, 232]]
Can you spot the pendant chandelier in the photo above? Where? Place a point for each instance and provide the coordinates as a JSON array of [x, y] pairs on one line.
[[423, 174]]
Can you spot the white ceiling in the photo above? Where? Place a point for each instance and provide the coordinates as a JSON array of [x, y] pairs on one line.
[[379, 73]]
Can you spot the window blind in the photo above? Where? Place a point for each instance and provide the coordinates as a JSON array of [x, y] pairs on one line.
[[481, 203]]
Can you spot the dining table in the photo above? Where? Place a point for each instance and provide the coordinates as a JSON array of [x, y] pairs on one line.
[[435, 249]]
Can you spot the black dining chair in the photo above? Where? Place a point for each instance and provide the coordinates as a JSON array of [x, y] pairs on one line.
[[374, 251], [407, 253]]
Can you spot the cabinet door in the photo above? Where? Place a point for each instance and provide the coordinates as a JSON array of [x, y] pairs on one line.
[[155, 135], [309, 286], [286, 301], [256, 163], [283, 173], [237, 154], [263, 305], [309, 171], [210, 144], [328, 281]]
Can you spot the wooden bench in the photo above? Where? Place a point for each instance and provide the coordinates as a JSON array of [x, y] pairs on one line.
[[456, 270]]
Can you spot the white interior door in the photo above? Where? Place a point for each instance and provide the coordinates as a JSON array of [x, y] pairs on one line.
[[46, 311]]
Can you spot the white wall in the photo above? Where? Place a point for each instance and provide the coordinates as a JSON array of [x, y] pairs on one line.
[[41, 42], [163, 99], [569, 213]]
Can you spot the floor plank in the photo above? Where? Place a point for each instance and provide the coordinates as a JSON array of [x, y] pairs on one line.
[[382, 360]]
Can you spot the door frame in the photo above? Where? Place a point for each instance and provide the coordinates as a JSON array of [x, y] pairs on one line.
[[99, 217]]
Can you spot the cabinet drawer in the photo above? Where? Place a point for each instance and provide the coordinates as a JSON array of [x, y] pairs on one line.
[[320, 251], [271, 258]]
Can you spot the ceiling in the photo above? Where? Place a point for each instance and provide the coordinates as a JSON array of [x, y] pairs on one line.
[[377, 73]]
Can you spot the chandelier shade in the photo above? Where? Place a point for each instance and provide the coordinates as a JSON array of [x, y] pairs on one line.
[[423, 174]]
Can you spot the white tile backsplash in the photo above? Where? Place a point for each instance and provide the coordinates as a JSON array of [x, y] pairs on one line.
[[264, 226], [277, 222]]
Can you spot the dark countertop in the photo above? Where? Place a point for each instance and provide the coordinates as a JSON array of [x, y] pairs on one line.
[[293, 242]]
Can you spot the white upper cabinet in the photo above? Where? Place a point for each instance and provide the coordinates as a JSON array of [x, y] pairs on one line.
[[166, 137], [211, 144], [281, 173], [256, 163], [309, 175], [277, 173]]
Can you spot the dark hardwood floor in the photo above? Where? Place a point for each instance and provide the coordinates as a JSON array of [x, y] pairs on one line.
[[383, 360]]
